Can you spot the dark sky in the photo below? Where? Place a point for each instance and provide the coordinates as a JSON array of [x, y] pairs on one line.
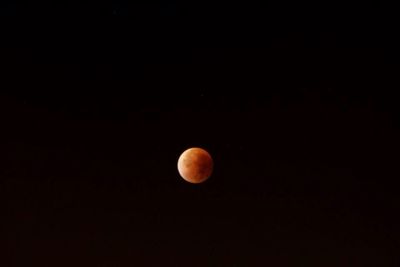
[[295, 106]]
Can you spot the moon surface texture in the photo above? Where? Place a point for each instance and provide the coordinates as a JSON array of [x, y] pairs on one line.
[[195, 165]]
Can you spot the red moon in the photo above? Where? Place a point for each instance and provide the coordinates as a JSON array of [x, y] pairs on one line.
[[195, 165]]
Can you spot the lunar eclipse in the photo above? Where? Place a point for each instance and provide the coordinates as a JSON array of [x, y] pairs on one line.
[[195, 165]]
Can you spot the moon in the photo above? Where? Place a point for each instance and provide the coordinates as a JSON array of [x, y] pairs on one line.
[[195, 165]]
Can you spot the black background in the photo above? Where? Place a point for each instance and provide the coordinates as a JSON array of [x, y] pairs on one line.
[[295, 104]]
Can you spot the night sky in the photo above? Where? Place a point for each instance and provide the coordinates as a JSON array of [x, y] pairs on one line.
[[295, 106]]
